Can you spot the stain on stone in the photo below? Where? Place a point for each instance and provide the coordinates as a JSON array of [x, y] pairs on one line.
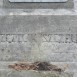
[[2, 49], [8, 50], [38, 66]]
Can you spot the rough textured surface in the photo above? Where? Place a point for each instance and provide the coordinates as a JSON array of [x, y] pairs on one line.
[[13, 73], [38, 0], [7, 4], [29, 35]]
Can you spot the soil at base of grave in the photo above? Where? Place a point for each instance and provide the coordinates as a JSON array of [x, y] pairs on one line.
[[38, 66]]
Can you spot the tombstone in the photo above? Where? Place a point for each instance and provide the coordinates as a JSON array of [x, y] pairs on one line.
[[38, 30]]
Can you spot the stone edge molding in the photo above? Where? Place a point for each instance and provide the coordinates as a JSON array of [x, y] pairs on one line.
[[38, 0], [69, 4]]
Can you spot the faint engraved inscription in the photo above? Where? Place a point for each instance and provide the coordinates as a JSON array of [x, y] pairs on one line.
[[59, 38]]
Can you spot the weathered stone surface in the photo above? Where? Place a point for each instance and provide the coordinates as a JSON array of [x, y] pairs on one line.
[[69, 68], [13, 73], [57, 38], [36, 24], [20, 52], [37, 0], [44, 35], [67, 5], [21, 38]]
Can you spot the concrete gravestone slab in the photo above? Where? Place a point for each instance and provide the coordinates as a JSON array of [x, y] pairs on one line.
[[37, 0], [39, 38], [32, 38]]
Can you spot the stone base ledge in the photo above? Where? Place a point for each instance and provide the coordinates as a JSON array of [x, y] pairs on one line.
[[30, 12], [14, 73]]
